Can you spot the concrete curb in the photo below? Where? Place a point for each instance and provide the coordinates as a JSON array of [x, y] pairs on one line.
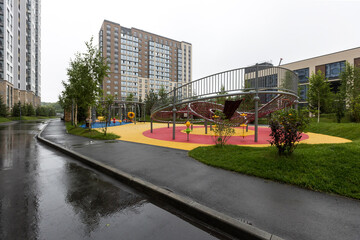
[[214, 218]]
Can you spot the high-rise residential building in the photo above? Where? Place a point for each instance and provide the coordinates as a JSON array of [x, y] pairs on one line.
[[141, 61], [20, 61]]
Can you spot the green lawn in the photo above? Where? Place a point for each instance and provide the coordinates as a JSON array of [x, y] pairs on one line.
[[94, 134], [333, 168]]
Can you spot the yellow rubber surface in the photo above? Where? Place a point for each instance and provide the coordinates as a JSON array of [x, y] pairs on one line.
[[134, 133]]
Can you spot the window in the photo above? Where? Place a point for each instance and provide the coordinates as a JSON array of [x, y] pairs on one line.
[[303, 89], [303, 75], [333, 70]]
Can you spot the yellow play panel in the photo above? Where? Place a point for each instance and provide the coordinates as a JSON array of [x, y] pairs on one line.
[[134, 133]]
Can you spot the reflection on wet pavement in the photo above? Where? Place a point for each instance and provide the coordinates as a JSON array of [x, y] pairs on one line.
[[47, 195]]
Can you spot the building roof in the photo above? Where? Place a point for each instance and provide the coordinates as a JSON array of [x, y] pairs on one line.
[[351, 49]]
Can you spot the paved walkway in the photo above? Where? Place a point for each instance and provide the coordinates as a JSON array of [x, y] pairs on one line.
[[286, 211]]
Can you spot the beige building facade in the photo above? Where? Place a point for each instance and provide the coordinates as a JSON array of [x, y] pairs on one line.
[[330, 64], [141, 61]]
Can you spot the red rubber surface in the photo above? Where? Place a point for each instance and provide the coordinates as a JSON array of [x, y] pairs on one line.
[[165, 134]]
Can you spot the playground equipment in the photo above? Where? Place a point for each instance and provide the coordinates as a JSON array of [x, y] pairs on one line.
[[187, 130], [120, 109], [131, 115], [255, 91]]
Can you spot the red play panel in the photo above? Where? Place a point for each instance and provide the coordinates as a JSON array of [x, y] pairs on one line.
[[166, 135]]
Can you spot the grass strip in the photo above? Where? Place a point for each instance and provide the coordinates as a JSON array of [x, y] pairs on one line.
[[93, 134]]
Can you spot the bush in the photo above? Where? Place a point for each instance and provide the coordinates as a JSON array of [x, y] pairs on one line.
[[222, 130], [286, 128]]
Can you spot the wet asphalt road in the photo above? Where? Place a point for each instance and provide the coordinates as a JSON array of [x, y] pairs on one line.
[[44, 194]]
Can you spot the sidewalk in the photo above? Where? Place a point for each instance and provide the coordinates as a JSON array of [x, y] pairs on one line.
[[286, 211]]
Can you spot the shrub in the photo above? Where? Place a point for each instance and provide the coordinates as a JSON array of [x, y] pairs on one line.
[[286, 128], [222, 130]]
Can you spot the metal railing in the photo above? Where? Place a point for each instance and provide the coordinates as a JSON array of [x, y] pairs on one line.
[[269, 86]]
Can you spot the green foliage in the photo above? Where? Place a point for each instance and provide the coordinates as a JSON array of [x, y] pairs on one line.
[[56, 105], [150, 99], [85, 77], [286, 128], [319, 93], [222, 131], [15, 112], [163, 96], [130, 97], [24, 111], [3, 108], [338, 105], [350, 88], [30, 110], [104, 108]]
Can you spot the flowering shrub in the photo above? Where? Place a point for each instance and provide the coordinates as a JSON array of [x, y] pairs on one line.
[[286, 128]]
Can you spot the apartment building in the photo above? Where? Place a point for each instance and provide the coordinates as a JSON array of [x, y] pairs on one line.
[[330, 64], [141, 61], [20, 78]]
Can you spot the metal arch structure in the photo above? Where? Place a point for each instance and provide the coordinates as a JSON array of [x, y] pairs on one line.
[[263, 88]]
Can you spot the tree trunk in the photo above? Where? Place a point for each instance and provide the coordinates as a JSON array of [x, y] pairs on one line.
[[318, 109], [75, 118], [90, 117]]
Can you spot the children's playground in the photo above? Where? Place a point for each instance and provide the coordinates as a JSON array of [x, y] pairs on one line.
[[241, 96]]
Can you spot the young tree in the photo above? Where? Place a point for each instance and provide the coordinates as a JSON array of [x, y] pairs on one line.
[[350, 89], [104, 107], [130, 97], [16, 110], [150, 99], [3, 108], [24, 111], [222, 130], [85, 77], [30, 110], [163, 96], [338, 105], [319, 92]]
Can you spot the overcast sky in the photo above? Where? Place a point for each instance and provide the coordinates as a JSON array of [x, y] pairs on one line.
[[224, 34]]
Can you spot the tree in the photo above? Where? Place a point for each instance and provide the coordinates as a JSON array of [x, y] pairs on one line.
[[150, 99], [85, 77], [319, 92], [350, 89], [16, 110], [24, 111], [3, 108], [104, 107], [338, 105], [163, 96], [30, 110]]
